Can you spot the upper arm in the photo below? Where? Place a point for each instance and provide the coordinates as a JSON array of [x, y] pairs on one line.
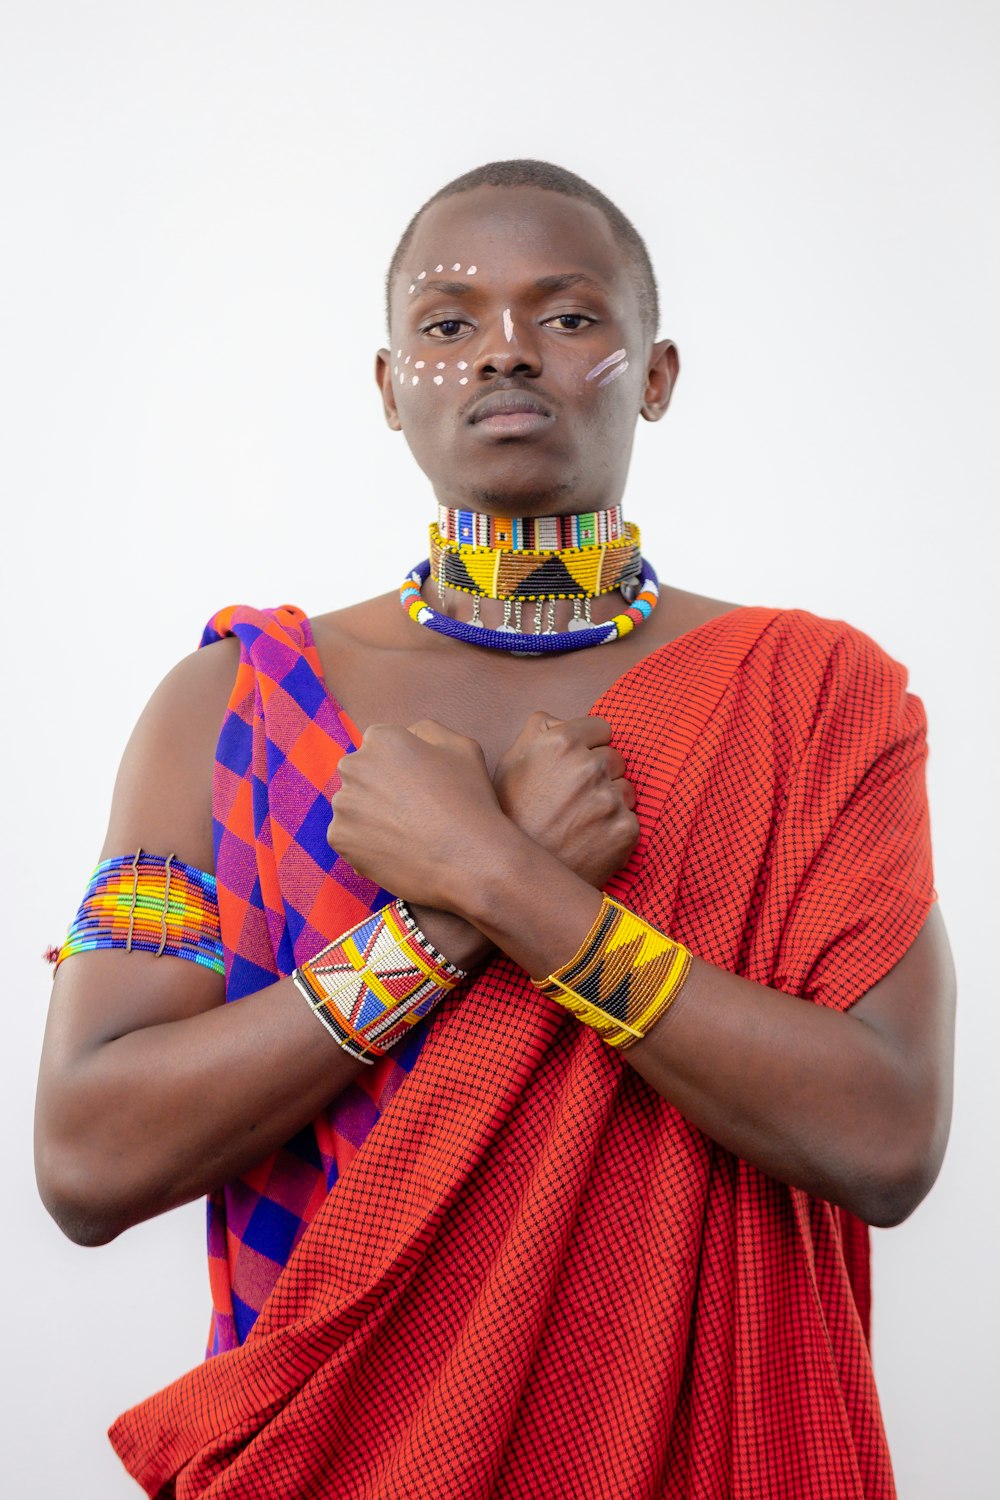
[[163, 794], [913, 1011], [162, 803]]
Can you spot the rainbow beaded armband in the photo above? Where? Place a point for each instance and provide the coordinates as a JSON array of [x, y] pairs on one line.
[[376, 981], [152, 904], [622, 978]]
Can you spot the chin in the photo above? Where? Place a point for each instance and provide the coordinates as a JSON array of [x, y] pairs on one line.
[[518, 499]]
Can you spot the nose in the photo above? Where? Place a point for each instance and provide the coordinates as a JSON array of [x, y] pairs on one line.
[[507, 348]]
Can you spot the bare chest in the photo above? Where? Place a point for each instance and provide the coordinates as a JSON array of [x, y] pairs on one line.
[[486, 699], [382, 675]]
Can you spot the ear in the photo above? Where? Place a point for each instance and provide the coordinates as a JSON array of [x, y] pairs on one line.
[[661, 377], [383, 379]]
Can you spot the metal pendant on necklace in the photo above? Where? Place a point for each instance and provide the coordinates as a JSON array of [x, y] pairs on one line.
[[581, 615], [507, 627]]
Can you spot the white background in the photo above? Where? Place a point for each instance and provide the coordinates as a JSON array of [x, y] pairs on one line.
[[199, 201]]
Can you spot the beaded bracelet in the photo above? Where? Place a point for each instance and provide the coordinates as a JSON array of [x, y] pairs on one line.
[[376, 981], [149, 903], [623, 977]]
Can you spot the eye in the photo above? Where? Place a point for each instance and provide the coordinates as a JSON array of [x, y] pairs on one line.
[[569, 322], [447, 328]]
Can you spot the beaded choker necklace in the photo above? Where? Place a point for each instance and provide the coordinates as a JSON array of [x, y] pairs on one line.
[[533, 561]]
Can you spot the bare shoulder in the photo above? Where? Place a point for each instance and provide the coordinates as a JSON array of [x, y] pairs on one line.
[[163, 793], [680, 611], [373, 622]]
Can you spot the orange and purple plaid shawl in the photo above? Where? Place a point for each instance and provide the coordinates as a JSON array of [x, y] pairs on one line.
[[535, 1277]]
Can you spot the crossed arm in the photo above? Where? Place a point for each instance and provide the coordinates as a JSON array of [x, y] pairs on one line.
[[152, 1092]]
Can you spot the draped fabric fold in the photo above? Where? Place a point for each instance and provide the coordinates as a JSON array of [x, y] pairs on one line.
[[514, 1269]]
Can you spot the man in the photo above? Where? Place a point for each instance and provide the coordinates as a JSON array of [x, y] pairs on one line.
[[603, 1237]]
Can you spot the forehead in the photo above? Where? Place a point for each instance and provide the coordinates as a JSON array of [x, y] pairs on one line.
[[516, 232]]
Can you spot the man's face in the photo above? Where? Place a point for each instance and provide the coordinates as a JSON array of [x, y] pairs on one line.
[[519, 363]]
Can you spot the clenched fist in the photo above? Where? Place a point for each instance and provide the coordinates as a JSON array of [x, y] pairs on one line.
[[564, 784], [415, 810]]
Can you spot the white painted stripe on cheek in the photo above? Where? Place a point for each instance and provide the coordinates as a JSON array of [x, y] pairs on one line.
[[618, 370], [612, 359], [508, 325]]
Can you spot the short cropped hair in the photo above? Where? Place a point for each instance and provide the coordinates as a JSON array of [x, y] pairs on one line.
[[553, 179]]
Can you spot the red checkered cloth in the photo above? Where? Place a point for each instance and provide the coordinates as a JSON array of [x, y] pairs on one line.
[[536, 1278]]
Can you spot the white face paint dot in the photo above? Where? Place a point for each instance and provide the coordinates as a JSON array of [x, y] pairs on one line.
[[457, 266], [508, 325], [471, 271], [399, 353], [395, 369], [418, 364], [406, 361], [462, 365], [438, 379], [464, 380], [438, 269], [422, 275], [439, 365], [401, 377], [415, 380], [412, 287]]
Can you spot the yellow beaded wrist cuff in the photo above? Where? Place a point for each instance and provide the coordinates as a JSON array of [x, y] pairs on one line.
[[622, 978]]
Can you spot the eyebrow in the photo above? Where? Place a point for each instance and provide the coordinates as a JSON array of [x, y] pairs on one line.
[[565, 281], [450, 288]]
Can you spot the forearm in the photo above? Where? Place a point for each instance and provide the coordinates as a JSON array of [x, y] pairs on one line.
[[461, 942], [160, 1115], [135, 1118], [811, 1096]]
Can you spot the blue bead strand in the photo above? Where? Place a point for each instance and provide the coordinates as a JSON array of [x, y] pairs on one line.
[[528, 645]]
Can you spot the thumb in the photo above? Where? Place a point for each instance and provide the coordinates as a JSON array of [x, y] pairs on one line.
[[537, 723], [432, 732]]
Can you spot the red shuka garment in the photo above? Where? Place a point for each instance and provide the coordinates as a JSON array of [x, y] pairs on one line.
[[536, 1278]]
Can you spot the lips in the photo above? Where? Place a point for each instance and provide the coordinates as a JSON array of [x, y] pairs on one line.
[[511, 413]]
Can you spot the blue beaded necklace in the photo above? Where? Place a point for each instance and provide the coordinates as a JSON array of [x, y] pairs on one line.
[[540, 642]]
